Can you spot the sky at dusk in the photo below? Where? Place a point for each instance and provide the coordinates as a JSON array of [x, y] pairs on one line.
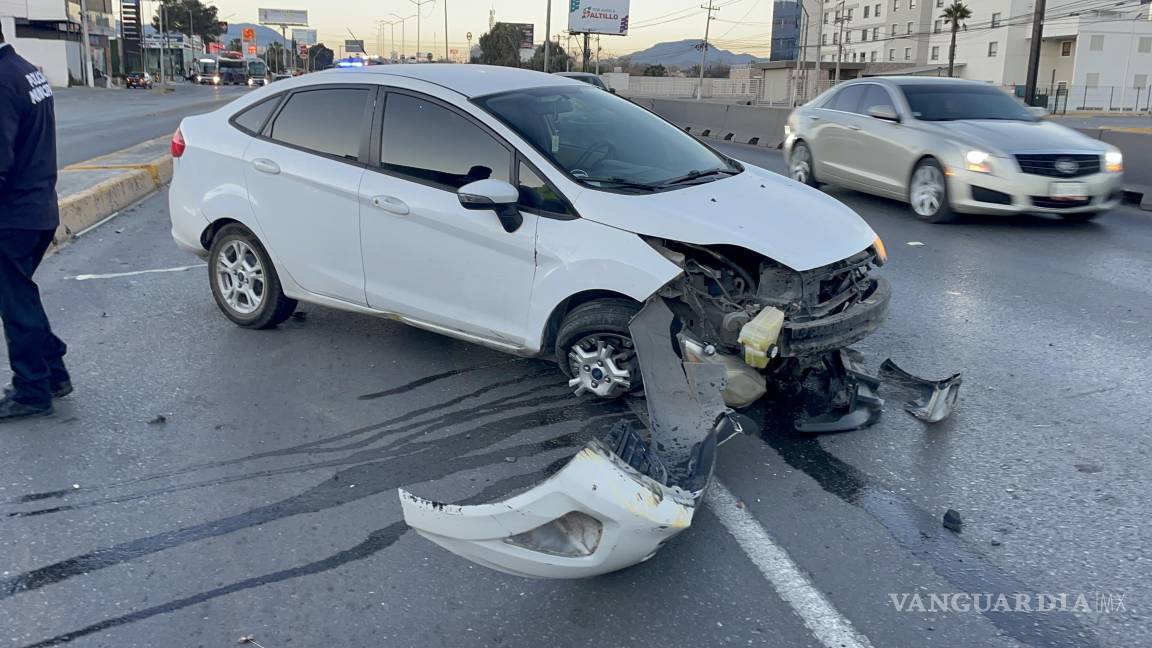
[[740, 25]]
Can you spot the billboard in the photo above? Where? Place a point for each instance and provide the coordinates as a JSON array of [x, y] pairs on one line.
[[598, 17], [283, 17], [528, 30], [353, 47], [304, 36]]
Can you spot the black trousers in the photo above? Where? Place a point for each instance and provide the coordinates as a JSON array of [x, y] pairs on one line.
[[35, 353]]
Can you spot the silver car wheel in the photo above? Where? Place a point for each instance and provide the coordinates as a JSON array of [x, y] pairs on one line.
[[598, 369], [927, 192], [801, 168], [240, 277]]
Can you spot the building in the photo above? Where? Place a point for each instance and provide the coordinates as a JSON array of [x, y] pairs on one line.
[[48, 34], [785, 30], [877, 31], [1093, 58]]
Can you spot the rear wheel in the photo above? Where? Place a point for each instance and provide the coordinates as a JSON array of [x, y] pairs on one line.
[[244, 281], [801, 165], [928, 193], [594, 348]]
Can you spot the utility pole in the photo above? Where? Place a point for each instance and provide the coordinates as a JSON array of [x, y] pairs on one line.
[[1034, 53], [163, 43], [191, 32], [445, 31], [86, 49], [597, 54], [801, 53], [419, 5], [841, 18], [547, 30], [587, 52], [704, 48], [819, 42]]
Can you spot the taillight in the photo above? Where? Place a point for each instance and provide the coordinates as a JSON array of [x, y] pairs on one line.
[[178, 144]]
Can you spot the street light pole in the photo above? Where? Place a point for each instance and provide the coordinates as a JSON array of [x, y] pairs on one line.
[[446, 31], [1033, 53], [704, 49], [419, 4], [802, 43], [403, 31], [841, 19], [547, 30], [86, 49], [819, 42]]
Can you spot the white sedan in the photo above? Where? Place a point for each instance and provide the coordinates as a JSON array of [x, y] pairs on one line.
[[523, 211]]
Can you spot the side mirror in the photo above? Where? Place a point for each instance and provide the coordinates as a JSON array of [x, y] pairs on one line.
[[1039, 112], [496, 195], [612, 90], [884, 112]]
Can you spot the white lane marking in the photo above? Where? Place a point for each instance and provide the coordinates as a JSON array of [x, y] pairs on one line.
[[114, 275], [822, 619]]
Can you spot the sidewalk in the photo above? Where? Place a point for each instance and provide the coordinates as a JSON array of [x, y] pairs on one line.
[[95, 189]]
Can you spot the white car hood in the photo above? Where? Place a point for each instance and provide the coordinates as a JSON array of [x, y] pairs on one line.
[[758, 210]]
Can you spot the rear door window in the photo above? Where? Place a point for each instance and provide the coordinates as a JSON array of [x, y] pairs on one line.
[[847, 100], [252, 119], [430, 143], [328, 120]]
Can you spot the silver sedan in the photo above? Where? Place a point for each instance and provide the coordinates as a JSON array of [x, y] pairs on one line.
[[949, 146]]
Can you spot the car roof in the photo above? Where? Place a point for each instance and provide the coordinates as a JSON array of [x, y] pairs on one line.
[[470, 80], [574, 74], [920, 80]]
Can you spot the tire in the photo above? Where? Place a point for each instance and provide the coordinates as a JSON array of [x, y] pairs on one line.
[[603, 320], [237, 259], [801, 165], [928, 193], [1081, 217]]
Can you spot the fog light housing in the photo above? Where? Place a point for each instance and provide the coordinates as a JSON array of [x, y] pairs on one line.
[[572, 535], [978, 161], [1114, 161]]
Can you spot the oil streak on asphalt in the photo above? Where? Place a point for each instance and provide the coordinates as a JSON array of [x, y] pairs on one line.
[[920, 533]]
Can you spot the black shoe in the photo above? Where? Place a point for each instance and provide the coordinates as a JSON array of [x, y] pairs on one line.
[[11, 410], [59, 390]]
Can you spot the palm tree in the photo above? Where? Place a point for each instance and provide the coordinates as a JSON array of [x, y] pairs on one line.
[[955, 15]]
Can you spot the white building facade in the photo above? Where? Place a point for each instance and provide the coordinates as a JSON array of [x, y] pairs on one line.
[[48, 34]]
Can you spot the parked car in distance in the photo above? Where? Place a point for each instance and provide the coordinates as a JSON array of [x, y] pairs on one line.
[[281, 77], [948, 147], [587, 77], [138, 80]]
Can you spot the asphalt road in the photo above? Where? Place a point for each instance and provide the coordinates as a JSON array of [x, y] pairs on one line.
[[263, 503], [95, 121]]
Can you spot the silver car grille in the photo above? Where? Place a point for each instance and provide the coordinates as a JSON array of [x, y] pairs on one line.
[[1059, 165]]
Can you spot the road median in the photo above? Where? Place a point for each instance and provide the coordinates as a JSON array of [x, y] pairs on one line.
[[95, 189]]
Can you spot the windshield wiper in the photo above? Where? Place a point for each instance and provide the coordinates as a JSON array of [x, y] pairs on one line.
[[618, 182], [694, 175]]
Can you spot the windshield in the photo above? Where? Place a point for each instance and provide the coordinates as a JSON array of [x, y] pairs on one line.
[[257, 68], [949, 102], [206, 67], [604, 141], [229, 64]]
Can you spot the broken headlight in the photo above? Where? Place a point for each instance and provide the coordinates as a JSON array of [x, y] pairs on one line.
[[573, 535]]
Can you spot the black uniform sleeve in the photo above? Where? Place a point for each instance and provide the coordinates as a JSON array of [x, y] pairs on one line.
[[9, 128]]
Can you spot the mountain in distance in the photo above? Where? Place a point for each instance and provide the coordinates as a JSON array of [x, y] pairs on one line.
[[683, 54]]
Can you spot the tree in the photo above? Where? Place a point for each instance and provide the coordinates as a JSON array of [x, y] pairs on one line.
[[955, 15], [320, 57], [235, 45], [655, 71], [501, 45], [204, 24], [557, 58]]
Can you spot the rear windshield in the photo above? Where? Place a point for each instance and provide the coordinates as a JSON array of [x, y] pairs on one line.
[[950, 102]]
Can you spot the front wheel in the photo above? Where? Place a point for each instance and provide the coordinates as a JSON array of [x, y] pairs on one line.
[[594, 348], [244, 281], [801, 165], [928, 193]]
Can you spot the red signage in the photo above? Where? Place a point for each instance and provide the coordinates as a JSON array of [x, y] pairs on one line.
[[249, 34], [252, 50]]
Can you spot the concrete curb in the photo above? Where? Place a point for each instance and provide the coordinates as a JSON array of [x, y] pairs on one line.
[[108, 184]]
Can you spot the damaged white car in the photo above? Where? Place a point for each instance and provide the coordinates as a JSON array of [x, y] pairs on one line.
[[536, 215]]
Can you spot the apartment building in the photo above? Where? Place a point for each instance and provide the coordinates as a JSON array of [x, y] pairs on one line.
[[1085, 48], [48, 34], [785, 30], [874, 31]]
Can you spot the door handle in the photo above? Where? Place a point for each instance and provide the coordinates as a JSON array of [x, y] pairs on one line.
[[853, 127], [813, 117], [391, 204], [265, 165]]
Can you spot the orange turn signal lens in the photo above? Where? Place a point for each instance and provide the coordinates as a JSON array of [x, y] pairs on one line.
[[881, 251]]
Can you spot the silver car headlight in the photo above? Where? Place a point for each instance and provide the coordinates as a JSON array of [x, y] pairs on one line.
[[1114, 161], [978, 161]]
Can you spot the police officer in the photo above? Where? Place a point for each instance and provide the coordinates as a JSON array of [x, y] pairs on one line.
[[28, 220]]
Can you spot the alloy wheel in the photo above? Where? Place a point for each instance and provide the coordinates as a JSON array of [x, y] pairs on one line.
[[602, 365], [927, 191], [801, 168], [240, 277]]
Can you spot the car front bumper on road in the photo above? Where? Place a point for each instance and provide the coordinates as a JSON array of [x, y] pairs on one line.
[[972, 192]]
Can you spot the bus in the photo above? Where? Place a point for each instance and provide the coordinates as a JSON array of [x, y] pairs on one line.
[[257, 71], [225, 68]]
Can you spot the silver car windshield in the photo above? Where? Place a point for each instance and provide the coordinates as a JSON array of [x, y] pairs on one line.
[[950, 102], [606, 142]]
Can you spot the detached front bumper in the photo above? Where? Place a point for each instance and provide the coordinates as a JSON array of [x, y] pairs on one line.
[[1014, 192]]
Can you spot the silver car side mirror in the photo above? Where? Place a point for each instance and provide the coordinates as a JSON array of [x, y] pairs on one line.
[[884, 112]]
